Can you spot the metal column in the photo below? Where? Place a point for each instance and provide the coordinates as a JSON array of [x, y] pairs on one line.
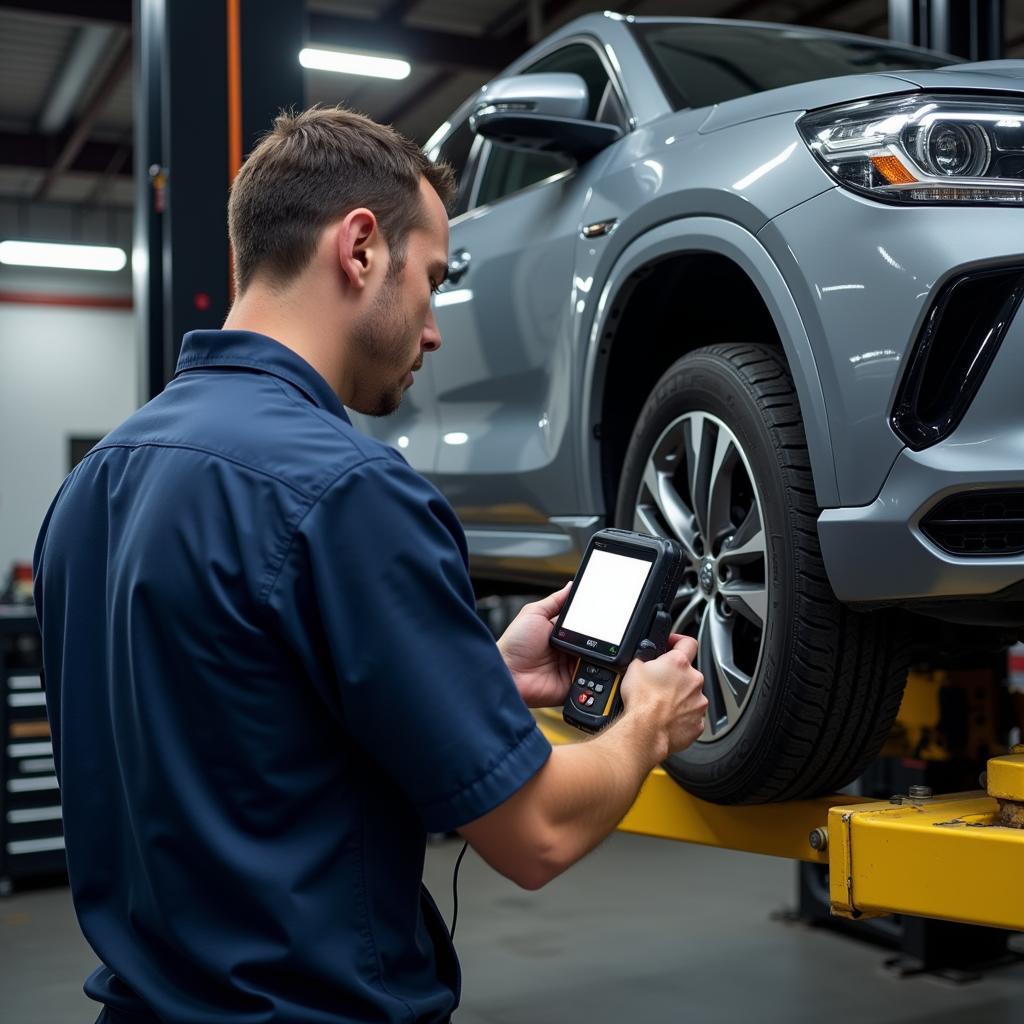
[[969, 28], [209, 78]]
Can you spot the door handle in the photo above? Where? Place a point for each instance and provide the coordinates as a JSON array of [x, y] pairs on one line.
[[458, 265]]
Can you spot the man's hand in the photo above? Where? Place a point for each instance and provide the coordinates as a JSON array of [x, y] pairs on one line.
[[667, 693], [542, 673], [583, 790]]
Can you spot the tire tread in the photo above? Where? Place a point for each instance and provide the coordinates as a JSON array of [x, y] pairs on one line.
[[845, 670]]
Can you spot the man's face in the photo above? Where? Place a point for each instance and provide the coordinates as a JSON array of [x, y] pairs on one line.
[[390, 339]]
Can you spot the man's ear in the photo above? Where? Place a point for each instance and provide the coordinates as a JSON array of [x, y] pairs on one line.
[[359, 246]]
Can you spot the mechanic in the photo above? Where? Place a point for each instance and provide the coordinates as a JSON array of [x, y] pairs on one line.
[[265, 673]]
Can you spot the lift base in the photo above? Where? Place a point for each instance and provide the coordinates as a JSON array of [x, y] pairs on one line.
[[949, 857]]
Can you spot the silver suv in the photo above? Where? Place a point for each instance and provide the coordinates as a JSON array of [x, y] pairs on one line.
[[754, 287]]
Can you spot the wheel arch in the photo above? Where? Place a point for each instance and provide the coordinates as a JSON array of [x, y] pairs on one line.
[[690, 263]]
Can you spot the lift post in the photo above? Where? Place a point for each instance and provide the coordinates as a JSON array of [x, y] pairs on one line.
[[952, 857]]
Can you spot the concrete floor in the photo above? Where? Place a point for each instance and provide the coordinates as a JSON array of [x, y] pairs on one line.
[[642, 931]]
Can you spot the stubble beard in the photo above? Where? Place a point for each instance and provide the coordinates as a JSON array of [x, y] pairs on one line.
[[378, 338]]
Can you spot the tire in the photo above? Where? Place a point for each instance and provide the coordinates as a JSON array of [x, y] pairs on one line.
[[719, 460]]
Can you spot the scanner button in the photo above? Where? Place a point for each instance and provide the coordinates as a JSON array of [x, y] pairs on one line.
[[599, 688], [590, 700], [582, 698]]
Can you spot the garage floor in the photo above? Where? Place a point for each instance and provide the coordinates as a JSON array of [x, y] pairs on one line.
[[643, 930]]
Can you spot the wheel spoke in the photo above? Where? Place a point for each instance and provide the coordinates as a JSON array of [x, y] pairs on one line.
[[749, 599], [693, 602], [734, 682], [645, 521], [700, 452], [681, 522], [748, 541], [720, 489], [716, 715]]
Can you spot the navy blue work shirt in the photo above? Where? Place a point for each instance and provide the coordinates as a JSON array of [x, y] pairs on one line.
[[266, 681]]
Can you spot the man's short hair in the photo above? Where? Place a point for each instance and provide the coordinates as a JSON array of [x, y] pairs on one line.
[[311, 169]]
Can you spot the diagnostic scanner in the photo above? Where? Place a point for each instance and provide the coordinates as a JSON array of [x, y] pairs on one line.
[[618, 609]]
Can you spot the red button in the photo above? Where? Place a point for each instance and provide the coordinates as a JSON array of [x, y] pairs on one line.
[[582, 698]]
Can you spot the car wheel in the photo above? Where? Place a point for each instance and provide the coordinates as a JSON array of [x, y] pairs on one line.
[[802, 691]]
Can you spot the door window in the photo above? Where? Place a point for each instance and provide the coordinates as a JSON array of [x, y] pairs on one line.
[[457, 150], [508, 170]]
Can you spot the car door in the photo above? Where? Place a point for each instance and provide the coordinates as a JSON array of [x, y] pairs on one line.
[[504, 371], [415, 427]]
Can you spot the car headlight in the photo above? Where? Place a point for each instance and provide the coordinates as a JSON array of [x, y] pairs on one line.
[[924, 148]]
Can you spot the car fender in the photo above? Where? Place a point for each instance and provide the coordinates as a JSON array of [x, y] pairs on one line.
[[725, 238]]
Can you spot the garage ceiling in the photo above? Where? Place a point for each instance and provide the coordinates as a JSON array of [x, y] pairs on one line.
[[66, 84]]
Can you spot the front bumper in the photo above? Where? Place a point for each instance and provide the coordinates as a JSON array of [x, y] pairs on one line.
[[878, 553], [864, 275]]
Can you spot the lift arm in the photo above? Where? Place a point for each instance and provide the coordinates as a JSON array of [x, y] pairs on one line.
[[954, 857]]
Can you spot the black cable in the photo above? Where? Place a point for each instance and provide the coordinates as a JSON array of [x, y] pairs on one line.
[[455, 890]]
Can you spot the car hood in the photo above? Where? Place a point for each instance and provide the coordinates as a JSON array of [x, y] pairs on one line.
[[998, 75], [1004, 75]]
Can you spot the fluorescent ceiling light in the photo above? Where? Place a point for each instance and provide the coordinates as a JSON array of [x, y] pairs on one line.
[[65, 257], [452, 298], [354, 63]]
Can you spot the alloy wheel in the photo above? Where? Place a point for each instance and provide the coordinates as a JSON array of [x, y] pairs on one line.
[[698, 489]]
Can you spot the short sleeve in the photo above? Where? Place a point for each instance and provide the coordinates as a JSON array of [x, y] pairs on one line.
[[380, 562]]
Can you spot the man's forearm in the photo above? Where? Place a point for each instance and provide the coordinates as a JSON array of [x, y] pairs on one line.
[[587, 788], [578, 797]]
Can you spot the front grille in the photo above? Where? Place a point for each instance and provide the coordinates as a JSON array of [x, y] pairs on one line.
[[978, 523], [960, 337]]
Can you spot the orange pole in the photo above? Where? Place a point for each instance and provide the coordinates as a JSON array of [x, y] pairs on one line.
[[234, 88], [234, 106]]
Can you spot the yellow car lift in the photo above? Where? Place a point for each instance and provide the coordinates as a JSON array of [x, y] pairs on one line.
[[957, 857]]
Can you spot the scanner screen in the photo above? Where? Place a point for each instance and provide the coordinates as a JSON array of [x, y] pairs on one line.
[[606, 596]]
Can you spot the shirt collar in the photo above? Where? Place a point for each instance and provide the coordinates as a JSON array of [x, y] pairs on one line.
[[248, 350]]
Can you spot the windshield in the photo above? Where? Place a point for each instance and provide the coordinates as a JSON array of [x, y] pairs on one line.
[[700, 64]]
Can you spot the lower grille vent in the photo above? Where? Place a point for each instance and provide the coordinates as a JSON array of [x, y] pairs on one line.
[[979, 523]]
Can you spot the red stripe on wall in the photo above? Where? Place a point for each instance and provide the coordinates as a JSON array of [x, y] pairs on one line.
[[81, 301]]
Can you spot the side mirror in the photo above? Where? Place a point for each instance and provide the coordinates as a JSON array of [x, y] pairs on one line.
[[542, 112]]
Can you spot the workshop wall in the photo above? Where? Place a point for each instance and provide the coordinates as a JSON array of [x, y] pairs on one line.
[[64, 372], [65, 222], [67, 368]]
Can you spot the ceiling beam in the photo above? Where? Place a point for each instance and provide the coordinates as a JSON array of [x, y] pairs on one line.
[[397, 10], [512, 22], [403, 107], [76, 70], [740, 9], [868, 26], [120, 160], [83, 129], [84, 10], [38, 152], [817, 12], [386, 35], [451, 49]]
